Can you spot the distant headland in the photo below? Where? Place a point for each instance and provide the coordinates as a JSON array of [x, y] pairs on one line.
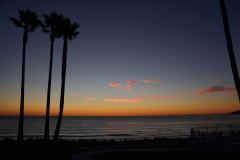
[[235, 112]]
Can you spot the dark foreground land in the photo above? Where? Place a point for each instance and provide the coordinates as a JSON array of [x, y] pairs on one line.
[[194, 149]]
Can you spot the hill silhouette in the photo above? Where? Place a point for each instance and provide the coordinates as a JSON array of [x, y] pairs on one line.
[[235, 112]]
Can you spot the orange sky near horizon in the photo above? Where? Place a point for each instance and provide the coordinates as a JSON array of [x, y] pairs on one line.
[[75, 106]]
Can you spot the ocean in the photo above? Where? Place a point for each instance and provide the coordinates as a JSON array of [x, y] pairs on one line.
[[118, 127]]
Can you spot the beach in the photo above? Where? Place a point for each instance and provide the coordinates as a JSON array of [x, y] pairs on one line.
[[181, 148]]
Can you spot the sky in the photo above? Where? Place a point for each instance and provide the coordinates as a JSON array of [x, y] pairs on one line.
[[131, 58]]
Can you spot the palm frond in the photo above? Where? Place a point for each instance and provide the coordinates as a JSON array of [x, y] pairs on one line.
[[69, 29], [27, 19], [52, 23], [16, 22], [34, 25]]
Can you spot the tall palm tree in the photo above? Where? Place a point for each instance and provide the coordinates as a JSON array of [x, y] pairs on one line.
[[28, 21], [51, 26], [230, 47], [68, 31]]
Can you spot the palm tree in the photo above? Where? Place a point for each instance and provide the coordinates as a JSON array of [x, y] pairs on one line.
[[50, 25], [230, 47], [68, 31], [28, 21]]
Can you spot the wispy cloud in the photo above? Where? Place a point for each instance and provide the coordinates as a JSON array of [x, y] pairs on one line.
[[123, 100], [149, 81], [90, 98], [115, 85], [214, 89], [139, 99], [129, 84]]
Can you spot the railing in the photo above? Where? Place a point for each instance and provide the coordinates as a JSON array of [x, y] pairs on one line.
[[216, 131]]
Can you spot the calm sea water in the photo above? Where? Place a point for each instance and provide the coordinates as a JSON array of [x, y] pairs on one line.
[[117, 127]]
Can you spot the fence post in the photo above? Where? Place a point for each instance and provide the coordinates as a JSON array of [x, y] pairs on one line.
[[193, 133], [230, 129]]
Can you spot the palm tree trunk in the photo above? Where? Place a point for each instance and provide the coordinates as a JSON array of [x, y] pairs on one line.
[[21, 114], [64, 66], [230, 47], [46, 131]]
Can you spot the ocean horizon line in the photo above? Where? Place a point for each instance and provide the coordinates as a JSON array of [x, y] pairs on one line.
[[55, 116]]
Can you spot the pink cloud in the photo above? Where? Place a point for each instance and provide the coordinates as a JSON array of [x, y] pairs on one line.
[[130, 84], [123, 100], [115, 85], [139, 99], [90, 98], [149, 81], [214, 89]]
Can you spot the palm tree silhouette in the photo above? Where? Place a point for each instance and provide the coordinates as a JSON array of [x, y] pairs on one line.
[[28, 21], [50, 25], [230, 47], [68, 31]]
